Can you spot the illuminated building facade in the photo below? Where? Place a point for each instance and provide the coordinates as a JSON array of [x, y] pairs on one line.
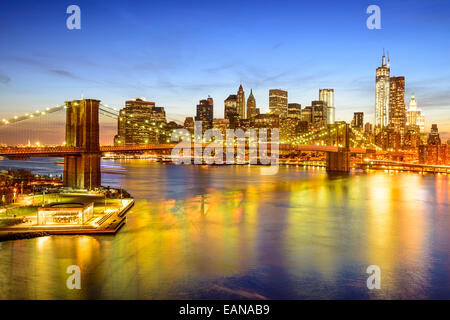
[[358, 121], [205, 113], [222, 125], [189, 124], [241, 102], [319, 113], [251, 106], [327, 96], [414, 115], [397, 109], [230, 110], [433, 137], [138, 122], [382, 94], [266, 120], [278, 102], [307, 115], [294, 111]]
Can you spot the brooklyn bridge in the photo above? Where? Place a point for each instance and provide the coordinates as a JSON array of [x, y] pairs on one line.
[[82, 151]]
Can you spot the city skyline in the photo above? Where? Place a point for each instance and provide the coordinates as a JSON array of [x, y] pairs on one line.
[[176, 75], [214, 151]]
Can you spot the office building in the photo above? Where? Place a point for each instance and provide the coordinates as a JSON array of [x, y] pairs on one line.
[[241, 102], [414, 115], [327, 96], [278, 102], [397, 109], [205, 113], [382, 94], [251, 106], [294, 111]]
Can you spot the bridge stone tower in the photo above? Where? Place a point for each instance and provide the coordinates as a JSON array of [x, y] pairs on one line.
[[82, 131], [340, 161]]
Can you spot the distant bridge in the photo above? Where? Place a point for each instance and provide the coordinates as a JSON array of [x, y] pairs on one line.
[[60, 151]]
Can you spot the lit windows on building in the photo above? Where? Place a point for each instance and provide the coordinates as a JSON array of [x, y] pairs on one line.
[[278, 102]]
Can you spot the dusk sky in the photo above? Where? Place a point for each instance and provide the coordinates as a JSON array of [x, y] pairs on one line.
[[178, 52]]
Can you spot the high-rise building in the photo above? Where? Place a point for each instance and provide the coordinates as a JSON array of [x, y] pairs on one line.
[[397, 109], [205, 113], [138, 121], [307, 113], [382, 94], [251, 106], [414, 115], [368, 129], [241, 102], [278, 102], [294, 110], [319, 113], [358, 121], [189, 124], [433, 137], [327, 96], [230, 110]]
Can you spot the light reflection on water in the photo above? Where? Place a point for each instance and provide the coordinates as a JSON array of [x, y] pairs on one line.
[[228, 232]]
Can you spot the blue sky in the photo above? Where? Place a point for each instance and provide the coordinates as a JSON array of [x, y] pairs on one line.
[[178, 52]]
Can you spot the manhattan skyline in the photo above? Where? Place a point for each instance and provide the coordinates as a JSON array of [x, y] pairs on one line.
[[184, 53]]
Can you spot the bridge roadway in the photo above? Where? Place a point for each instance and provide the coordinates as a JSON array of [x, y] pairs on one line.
[[60, 151]]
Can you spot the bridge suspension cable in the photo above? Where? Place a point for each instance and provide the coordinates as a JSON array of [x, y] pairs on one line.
[[28, 116]]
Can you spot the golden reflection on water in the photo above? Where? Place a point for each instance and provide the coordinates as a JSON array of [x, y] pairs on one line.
[[229, 232]]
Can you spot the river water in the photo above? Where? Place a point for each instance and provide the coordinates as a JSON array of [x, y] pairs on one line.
[[199, 232]]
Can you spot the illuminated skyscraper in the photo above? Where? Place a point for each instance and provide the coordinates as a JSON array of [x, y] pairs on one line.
[[319, 113], [327, 96], [205, 113], [382, 94], [251, 106], [433, 137], [397, 109], [414, 115], [241, 102], [278, 102], [294, 111], [137, 123], [230, 110], [358, 121]]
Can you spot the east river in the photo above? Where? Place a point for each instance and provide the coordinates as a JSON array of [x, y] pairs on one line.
[[199, 232]]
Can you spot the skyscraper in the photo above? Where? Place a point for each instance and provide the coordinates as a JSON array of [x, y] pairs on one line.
[[382, 94], [241, 102], [358, 121], [230, 110], [397, 109], [433, 137], [327, 96], [251, 106], [294, 111], [414, 115], [278, 102], [319, 113], [205, 113], [137, 121]]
